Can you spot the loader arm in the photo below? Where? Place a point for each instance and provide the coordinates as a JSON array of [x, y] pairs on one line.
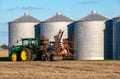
[[57, 41]]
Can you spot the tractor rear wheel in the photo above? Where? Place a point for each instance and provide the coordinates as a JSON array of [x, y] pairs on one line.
[[25, 54], [32, 57], [14, 56]]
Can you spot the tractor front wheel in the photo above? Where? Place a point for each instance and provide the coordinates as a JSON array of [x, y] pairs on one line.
[[14, 56], [25, 54]]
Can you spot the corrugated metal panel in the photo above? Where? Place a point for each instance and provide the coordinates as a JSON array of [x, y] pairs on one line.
[[20, 30], [51, 26], [59, 18], [116, 38], [24, 27], [90, 37], [108, 39], [89, 40], [93, 16], [117, 17], [26, 18], [50, 29], [71, 35]]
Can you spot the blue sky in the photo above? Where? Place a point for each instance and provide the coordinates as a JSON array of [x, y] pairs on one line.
[[43, 9]]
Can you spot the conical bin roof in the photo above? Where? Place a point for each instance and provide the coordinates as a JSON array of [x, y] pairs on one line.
[[94, 16], [59, 18], [26, 18]]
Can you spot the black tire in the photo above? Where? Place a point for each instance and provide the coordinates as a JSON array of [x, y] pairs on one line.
[[28, 55], [33, 57]]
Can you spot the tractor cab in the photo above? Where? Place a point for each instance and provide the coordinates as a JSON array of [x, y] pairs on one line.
[[29, 42]]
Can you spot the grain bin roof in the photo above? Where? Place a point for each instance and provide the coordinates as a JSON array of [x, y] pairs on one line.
[[118, 17], [59, 18], [93, 16], [26, 18]]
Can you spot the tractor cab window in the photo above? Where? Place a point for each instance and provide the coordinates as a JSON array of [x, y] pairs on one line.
[[34, 42], [25, 42]]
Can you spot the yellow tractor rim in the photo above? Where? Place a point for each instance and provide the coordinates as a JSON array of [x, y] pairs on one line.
[[24, 55], [14, 57]]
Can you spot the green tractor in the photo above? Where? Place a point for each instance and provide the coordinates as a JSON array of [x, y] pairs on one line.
[[28, 51]]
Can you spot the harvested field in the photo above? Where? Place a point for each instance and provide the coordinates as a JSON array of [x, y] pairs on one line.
[[3, 53], [60, 70]]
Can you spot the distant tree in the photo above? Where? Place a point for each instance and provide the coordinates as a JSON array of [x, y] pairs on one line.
[[4, 46]]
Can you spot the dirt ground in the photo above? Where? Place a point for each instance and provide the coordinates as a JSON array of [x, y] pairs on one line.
[[3, 53], [60, 70]]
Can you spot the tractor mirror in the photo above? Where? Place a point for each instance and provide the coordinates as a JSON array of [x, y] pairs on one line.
[[17, 41]]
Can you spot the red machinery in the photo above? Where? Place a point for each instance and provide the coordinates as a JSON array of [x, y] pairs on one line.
[[58, 50]]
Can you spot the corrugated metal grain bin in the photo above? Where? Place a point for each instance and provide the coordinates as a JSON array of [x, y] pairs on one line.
[[108, 40], [90, 37], [116, 37], [23, 27], [50, 27], [71, 36]]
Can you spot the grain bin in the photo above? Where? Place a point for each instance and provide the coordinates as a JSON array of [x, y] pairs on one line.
[[90, 37], [116, 37], [71, 36], [50, 27], [108, 39], [23, 27]]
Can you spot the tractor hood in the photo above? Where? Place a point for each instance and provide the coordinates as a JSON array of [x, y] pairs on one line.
[[16, 48]]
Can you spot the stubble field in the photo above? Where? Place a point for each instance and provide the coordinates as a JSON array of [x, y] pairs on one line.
[[60, 70]]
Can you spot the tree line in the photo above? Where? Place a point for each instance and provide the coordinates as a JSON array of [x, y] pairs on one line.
[[4, 46]]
